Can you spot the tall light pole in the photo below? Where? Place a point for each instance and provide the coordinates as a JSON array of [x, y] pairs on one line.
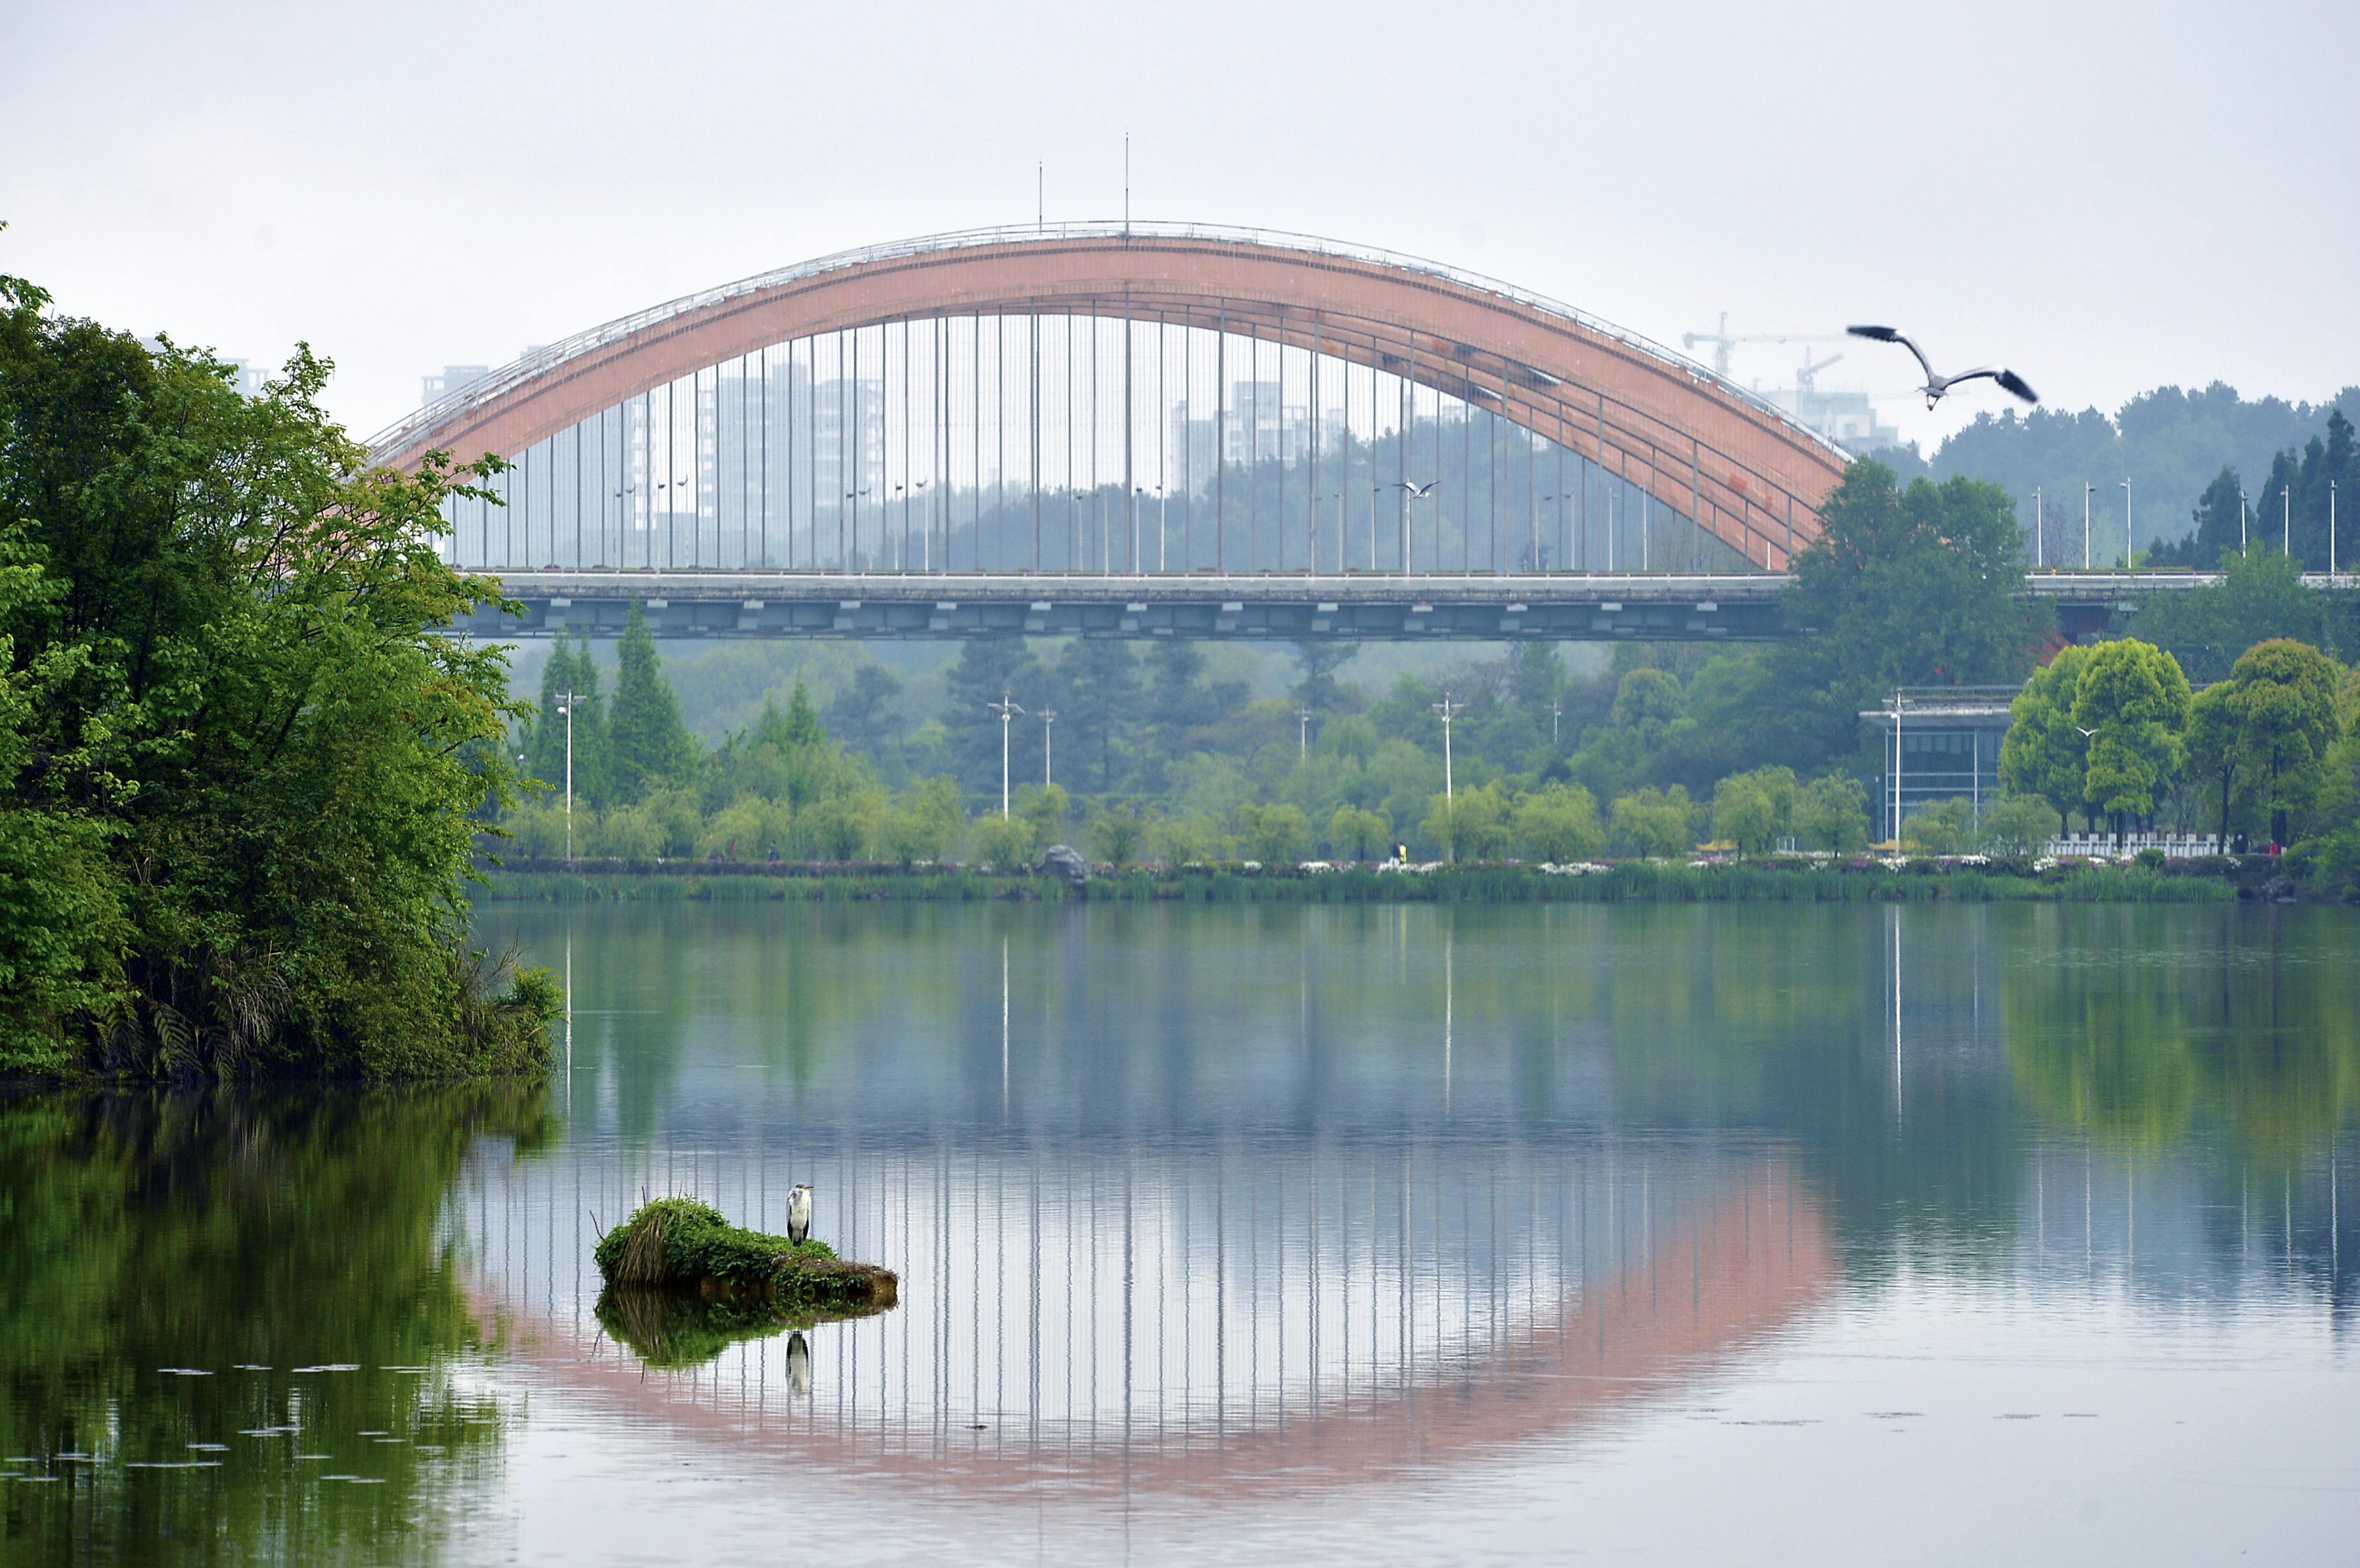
[[2086, 490], [2241, 522], [1007, 709], [1556, 712], [2285, 520], [2331, 530], [1449, 711], [2035, 526], [2126, 525], [565, 706], [1048, 716], [1303, 737]]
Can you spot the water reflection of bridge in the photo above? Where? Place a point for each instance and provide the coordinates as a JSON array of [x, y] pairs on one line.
[[1192, 1313]]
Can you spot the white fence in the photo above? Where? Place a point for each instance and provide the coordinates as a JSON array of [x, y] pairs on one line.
[[2175, 845]]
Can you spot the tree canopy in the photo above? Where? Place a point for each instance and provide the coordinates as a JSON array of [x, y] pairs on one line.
[[1902, 588], [238, 753]]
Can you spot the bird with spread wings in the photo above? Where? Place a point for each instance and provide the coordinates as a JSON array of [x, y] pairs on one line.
[[1936, 384]]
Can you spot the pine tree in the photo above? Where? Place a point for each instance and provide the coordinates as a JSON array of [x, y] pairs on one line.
[[648, 743], [570, 669], [804, 727]]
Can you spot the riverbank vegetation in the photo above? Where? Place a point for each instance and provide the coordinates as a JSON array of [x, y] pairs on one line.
[[679, 1244], [1787, 878], [239, 753], [1658, 752]]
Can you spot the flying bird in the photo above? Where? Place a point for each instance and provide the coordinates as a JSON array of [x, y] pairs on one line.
[[1418, 492], [1937, 384], [799, 1213]]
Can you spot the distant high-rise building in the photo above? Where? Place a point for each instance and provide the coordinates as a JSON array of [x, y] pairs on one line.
[[1257, 426], [453, 378]]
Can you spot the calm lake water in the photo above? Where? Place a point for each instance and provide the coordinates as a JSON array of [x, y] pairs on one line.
[[1350, 1234]]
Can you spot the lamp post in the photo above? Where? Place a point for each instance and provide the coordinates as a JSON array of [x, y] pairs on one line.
[[1449, 710], [1556, 712], [2035, 526], [1303, 736], [2086, 489], [565, 706], [2126, 525], [2241, 522], [2285, 520], [2330, 532], [1048, 717], [1007, 709]]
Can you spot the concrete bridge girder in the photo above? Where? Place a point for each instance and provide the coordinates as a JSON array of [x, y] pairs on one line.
[[1480, 607]]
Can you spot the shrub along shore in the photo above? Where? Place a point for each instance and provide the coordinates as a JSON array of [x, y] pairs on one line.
[[1779, 878]]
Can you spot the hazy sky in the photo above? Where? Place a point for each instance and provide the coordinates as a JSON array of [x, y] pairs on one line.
[[2107, 197]]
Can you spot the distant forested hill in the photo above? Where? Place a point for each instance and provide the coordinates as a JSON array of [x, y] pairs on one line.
[[2169, 443]]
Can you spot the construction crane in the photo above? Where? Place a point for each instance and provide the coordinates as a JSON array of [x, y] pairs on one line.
[[1723, 339]]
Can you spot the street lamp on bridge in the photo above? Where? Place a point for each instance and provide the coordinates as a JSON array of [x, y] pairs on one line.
[[1048, 716]]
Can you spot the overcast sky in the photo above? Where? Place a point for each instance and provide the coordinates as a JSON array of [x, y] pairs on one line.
[[2107, 197]]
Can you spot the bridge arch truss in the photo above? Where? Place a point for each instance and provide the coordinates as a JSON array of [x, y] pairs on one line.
[[1136, 400]]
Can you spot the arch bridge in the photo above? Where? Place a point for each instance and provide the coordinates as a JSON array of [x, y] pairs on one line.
[[1126, 430]]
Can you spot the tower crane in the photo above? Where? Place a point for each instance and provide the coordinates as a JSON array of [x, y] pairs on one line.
[[1723, 339]]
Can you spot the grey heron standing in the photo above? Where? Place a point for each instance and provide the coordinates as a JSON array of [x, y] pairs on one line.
[[1936, 384], [799, 1207]]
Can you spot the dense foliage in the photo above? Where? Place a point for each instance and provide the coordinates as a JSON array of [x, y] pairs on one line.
[[2180, 450], [238, 756]]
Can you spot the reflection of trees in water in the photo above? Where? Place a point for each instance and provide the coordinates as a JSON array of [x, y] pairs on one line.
[[202, 1230], [1248, 1020], [2250, 1027]]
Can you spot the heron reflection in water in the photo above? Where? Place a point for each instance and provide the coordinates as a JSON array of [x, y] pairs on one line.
[[798, 1364]]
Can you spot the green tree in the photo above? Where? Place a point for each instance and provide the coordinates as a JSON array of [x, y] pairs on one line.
[[2134, 702], [1472, 825], [1648, 701], [1559, 824], [923, 822], [2216, 744], [802, 725], [1356, 831], [2286, 708], [569, 669], [1046, 807], [1318, 690], [1003, 844], [1831, 814], [1097, 706], [2045, 753], [1902, 588], [648, 745], [862, 716], [1116, 835], [1275, 835], [1755, 809], [985, 670], [2260, 596], [1941, 827], [240, 752], [2015, 825], [1654, 822]]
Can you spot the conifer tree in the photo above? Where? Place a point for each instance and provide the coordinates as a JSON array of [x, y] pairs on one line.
[[648, 743]]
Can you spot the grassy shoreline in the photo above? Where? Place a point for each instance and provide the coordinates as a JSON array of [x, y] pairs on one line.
[[1626, 882]]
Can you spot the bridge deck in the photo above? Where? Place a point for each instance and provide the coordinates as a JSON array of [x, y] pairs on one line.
[[1557, 606]]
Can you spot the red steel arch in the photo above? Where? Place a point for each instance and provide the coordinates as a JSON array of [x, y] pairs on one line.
[[1725, 459]]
